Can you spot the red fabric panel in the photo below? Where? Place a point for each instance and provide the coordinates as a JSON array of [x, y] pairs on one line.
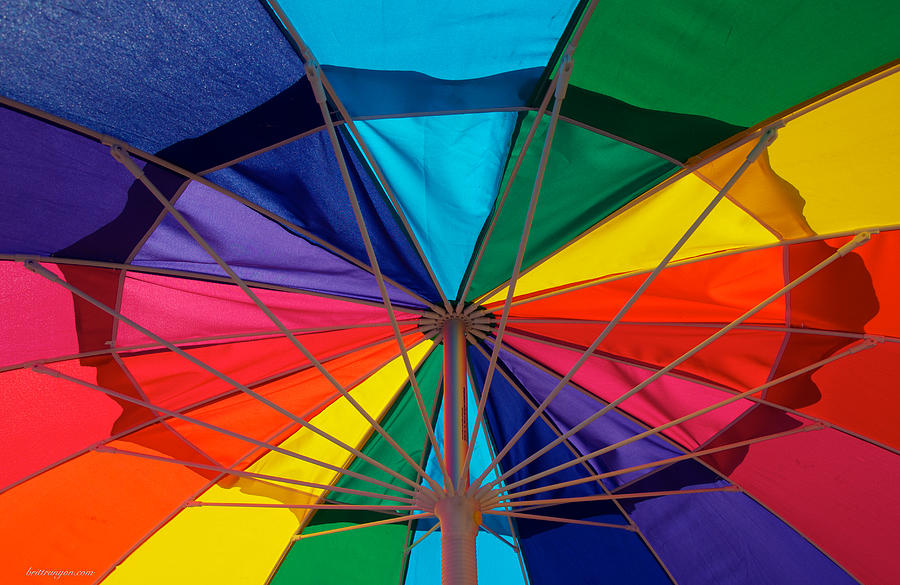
[[46, 419], [859, 393], [662, 401], [838, 491], [741, 359], [38, 321], [302, 393], [178, 308], [714, 291], [85, 514]]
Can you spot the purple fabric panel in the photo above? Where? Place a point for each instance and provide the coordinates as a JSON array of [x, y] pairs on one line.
[[571, 406], [257, 248], [724, 538], [54, 177]]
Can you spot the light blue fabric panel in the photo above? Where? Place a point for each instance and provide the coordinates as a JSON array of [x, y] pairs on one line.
[[458, 39], [445, 171], [498, 563]]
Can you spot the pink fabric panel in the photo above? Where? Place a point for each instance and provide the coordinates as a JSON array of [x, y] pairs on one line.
[[38, 321], [178, 308], [46, 419], [838, 491], [662, 401]]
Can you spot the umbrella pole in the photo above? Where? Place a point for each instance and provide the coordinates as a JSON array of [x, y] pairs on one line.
[[459, 514]]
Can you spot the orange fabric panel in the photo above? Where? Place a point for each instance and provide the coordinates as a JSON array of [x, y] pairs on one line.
[[85, 514]]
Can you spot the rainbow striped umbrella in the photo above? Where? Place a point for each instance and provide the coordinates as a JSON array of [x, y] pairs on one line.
[[337, 292]]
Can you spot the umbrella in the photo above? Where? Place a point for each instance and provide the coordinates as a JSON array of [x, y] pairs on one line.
[[359, 292]]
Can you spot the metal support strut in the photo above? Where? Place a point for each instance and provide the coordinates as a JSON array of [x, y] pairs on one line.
[[459, 513]]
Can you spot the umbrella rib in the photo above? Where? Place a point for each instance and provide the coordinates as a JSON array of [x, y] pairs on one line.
[[845, 249], [512, 176], [652, 465], [218, 429], [322, 90], [122, 156], [487, 529], [163, 422], [550, 502], [760, 147], [312, 71], [404, 518], [525, 516], [560, 93], [184, 504], [703, 258], [552, 87], [701, 161], [385, 508], [421, 538], [700, 381], [276, 479], [196, 276], [867, 344]]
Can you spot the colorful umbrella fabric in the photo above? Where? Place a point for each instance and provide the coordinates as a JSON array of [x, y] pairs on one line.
[[337, 292]]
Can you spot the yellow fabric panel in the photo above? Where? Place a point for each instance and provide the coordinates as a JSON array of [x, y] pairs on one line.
[[761, 192], [843, 159], [242, 545], [641, 236]]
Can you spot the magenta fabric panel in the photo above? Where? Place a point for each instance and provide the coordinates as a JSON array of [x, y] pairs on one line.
[[46, 419], [38, 321], [837, 490], [662, 401], [178, 308]]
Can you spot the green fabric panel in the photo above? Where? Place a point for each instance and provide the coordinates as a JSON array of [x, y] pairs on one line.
[[588, 177], [679, 136], [365, 556], [403, 423], [736, 61]]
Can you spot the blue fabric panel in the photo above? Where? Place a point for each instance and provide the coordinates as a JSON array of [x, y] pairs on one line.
[[462, 39], [555, 552], [571, 406], [153, 74], [75, 200], [445, 171], [301, 182], [367, 92], [256, 247], [723, 538]]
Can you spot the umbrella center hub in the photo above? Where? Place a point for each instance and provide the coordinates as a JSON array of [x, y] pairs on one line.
[[476, 320]]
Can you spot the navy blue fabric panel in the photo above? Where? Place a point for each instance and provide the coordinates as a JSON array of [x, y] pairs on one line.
[[723, 538], [288, 114], [571, 406], [54, 177], [571, 553], [149, 73], [302, 183], [368, 92]]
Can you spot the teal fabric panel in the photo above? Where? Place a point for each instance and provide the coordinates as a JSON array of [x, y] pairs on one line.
[[445, 172]]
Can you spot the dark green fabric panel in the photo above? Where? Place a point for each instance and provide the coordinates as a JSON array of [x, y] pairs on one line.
[[588, 177], [736, 61], [358, 557], [679, 136], [403, 423]]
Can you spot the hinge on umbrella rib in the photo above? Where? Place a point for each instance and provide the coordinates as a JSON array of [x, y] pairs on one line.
[[315, 80]]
